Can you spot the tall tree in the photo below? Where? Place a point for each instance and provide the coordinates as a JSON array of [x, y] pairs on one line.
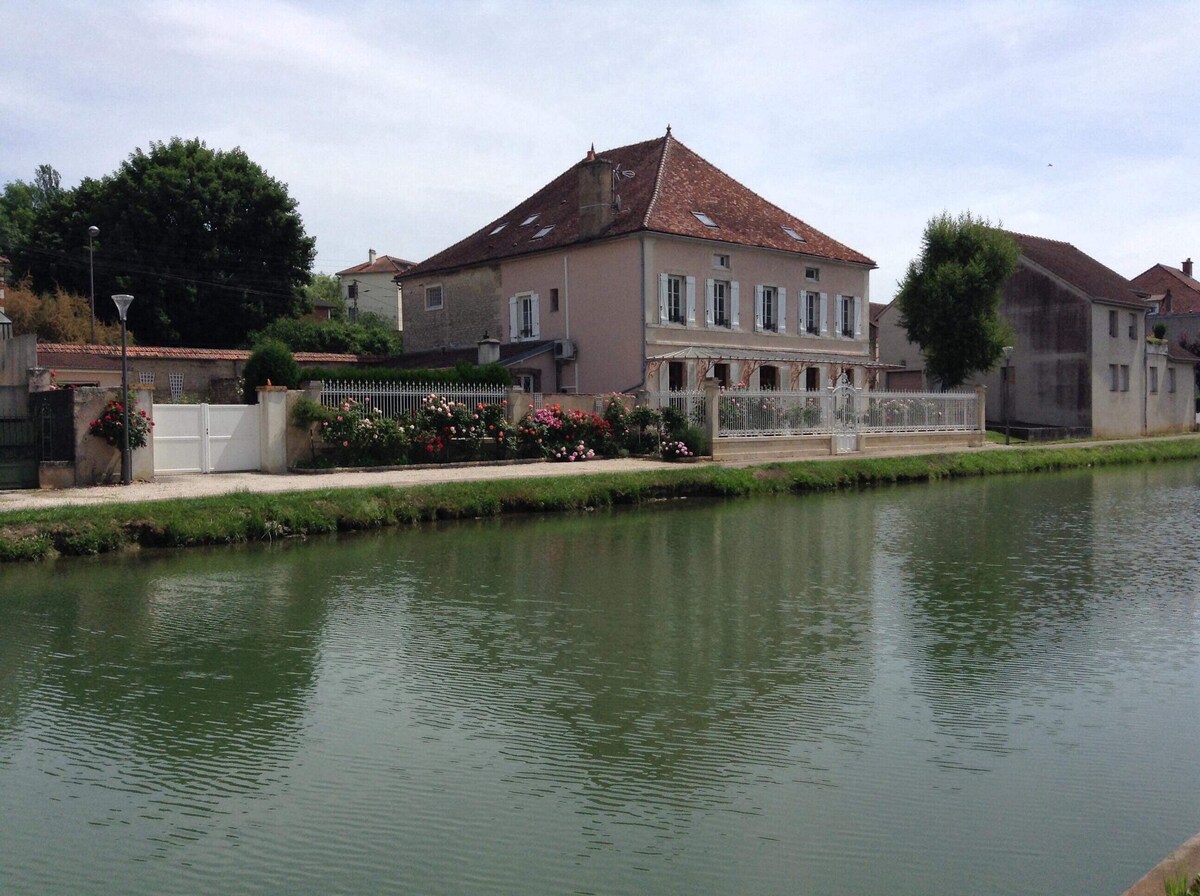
[[949, 299], [209, 245], [20, 205]]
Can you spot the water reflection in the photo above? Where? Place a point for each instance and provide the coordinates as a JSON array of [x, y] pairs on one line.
[[754, 697]]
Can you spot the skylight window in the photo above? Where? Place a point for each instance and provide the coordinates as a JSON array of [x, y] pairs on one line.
[[499, 227], [541, 233], [705, 219], [530, 219], [791, 231]]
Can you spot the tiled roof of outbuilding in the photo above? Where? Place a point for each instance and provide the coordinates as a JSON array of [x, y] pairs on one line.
[[668, 185], [1080, 270], [62, 354]]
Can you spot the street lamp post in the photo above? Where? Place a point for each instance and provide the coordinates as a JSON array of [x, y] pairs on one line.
[[122, 303], [93, 232], [1007, 377]]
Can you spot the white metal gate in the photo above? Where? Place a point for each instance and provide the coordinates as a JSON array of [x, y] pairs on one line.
[[845, 416], [206, 438]]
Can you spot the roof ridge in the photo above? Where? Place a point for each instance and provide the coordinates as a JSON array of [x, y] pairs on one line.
[[658, 179], [1044, 239]]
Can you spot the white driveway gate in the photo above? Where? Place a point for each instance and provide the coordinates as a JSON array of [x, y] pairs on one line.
[[206, 438]]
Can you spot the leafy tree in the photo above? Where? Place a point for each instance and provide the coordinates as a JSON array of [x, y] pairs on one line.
[[949, 299], [20, 204], [209, 245], [270, 362], [56, 316], [326, 289], [370, 336]]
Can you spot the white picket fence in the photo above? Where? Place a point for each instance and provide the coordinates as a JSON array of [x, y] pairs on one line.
[[400, 399]]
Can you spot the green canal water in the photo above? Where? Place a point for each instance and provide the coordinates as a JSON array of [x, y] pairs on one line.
[[972, 687]]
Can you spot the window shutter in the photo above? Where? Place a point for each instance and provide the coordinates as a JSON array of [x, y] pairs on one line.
[[782, 309], [537, 327], [758, 307], [824, 314], [514, 321], [735, 302], [691, 301], [662, 298], [709, 301], [857, 300]]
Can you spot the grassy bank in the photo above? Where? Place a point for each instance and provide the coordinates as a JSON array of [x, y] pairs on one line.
[[243, 517]]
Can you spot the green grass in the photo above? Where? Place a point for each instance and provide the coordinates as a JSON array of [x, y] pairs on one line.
[[248, 517]]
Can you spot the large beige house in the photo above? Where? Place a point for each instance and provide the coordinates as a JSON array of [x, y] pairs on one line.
[[1082, 359], [647, 267]]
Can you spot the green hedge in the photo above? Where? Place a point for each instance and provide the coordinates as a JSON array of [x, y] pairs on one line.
[[488, 374]]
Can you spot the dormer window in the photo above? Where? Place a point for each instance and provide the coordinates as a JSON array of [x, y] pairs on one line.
[[705, 219], [499, 227], [530, 219], [541, 233], [791, 231]]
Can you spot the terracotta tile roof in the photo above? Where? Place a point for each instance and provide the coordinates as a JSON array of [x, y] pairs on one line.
[[667, 185], [68, 353], [1162, 279], [383, 264], [1080, 270], [877, 308]]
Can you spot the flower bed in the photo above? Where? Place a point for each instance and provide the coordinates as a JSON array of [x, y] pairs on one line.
[[355, 434]]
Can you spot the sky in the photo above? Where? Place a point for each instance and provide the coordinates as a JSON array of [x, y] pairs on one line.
[[404, 127]]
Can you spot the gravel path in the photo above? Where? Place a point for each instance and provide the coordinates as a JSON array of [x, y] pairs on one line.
[[197, 485]]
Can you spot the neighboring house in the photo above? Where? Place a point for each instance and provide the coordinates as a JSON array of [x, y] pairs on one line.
[[371, 288], [1081, 359], [1175, 296], [210, 374], [647, 267]]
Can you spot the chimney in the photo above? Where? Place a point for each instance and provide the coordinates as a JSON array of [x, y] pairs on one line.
[[489, 350], [595, 195], [370, 256], [1187, 268]]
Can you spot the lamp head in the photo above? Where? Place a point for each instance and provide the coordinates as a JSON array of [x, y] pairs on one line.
[[122, 302], [93, 232]]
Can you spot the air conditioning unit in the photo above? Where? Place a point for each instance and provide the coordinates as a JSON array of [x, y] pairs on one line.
[[564, 349]]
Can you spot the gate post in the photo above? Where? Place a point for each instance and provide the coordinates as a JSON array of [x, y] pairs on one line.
[[981, 412], [712, 408], [272, 429]]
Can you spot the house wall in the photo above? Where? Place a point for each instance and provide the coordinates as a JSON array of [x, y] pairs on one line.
[[1052, 378], [1118, 412], [894, 348], [598, 301], [471, 304], [1167, 410], [750, 267], [215, 381], [377, 294], [17, 355]]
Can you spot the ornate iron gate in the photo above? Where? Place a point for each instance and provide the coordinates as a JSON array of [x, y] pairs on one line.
[[845, 416]]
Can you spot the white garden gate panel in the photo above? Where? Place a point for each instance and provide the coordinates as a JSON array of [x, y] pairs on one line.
[[206, 438]]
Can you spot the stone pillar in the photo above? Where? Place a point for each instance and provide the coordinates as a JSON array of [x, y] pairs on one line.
[[980, 435], [519, 401], [712, 408], [39, 379], [272, 428], [142, 459]]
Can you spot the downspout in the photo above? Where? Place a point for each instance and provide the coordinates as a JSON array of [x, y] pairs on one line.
[[642, 311], [642, 289], [567, 316]]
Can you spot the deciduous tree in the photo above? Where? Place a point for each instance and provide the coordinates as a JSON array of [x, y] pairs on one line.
[[209, 245], [949, 299]]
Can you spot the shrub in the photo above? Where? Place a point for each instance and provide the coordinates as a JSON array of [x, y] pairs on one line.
[[359, 435], [271, 362], [371, 335], [488, 374], [110, 425], [562, 435]]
